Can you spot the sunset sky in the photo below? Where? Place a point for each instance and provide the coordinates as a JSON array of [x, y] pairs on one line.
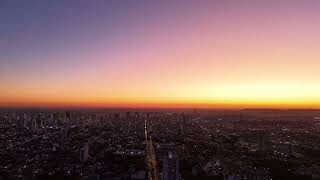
[[222, 54]]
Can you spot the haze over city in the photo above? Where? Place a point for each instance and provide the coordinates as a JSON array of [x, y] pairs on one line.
[[220, 54]]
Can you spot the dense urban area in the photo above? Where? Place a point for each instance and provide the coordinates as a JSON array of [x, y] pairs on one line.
[[154, 144]]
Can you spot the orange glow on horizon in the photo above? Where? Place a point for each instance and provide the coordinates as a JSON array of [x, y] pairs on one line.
[[168, 103], [245, 95]]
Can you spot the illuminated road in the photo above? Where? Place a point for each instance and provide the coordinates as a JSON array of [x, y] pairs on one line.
[[152, 167]]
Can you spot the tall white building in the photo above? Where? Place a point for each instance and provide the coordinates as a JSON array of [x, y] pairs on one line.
[[171, 167]]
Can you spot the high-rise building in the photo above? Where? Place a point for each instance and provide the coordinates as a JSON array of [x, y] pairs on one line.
[[171, 167], [136, 117], [34, 125], [128, 115], [84, 152], [265, 144], [68, 115]]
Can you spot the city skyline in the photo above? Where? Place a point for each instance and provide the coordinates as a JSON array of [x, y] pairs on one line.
[[216, 54]]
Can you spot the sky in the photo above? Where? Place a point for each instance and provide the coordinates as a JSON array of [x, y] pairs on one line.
[[223, 54]]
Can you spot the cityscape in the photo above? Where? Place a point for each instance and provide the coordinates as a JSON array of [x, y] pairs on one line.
[[168, 144], [159, 90]]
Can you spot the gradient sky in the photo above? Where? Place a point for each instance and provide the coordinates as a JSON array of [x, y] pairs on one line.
[[160, 53]]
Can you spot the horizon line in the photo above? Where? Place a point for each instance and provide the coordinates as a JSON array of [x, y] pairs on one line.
[[147, 107]]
